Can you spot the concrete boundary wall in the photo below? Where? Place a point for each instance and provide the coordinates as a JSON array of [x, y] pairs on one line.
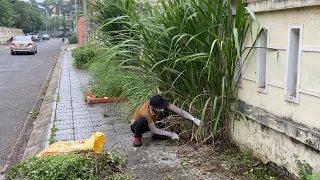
[[6, 33]]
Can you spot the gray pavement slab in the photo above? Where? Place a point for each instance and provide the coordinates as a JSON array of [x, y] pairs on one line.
[[76, 120]]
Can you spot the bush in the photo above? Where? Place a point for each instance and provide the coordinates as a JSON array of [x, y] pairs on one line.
[[73, 39], [83, 56], [112, 80], [192, 49]]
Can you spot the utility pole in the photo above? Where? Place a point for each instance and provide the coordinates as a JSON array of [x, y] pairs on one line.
[[46, 21], [85, 21], [76, 16]]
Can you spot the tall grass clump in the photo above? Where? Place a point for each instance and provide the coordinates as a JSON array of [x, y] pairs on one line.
[[192, 50], [83, 56], [112, 78]]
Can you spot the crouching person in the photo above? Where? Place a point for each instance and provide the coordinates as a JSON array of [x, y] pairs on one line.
[[148, 113]]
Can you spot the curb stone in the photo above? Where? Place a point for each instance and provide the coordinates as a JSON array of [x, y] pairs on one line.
[[39, 138]]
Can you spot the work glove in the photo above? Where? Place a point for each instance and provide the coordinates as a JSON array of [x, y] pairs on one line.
[[196, 121], [174, 136]]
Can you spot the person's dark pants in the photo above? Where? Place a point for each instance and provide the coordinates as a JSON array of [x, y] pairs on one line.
[[140, 125]]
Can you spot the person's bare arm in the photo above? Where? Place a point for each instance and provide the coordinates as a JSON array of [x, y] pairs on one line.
[[184, 114], [156, 130]]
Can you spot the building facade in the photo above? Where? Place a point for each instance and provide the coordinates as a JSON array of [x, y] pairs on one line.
[[280, 88]]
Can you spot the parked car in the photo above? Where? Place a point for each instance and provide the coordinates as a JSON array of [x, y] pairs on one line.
[[45, 37], [35, 37], [61, 35], [23, 44], [40, 37]]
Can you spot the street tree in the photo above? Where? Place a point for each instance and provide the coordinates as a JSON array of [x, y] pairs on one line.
[[5, 14], [26, 17]]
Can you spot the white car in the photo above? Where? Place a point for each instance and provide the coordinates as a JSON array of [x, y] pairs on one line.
[[23, 44]]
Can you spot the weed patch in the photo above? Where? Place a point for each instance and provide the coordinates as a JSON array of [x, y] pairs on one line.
[[306, 171], [111, 80], [227, 163], [35, 113], [58, 97], [106, 165], [53, 130], [83, 55]]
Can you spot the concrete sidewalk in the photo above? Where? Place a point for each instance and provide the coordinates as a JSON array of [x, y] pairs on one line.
[[76, 120]]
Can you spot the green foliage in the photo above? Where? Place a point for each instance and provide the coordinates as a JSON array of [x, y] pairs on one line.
[[71, 166], [83, 55], [73, 39], [306, 171], [27, 17], [190, 49], [112, 80], [35, 113], [5, 14]]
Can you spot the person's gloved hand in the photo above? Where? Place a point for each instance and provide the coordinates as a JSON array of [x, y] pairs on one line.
[[174, 136], [196, 121]]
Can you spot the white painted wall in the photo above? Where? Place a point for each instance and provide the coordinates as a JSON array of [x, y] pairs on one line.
[[268, 143], [304, 110], [6, 33]]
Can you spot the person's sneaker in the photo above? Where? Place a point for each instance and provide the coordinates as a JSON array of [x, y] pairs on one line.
[[158, 136], [137, 142]]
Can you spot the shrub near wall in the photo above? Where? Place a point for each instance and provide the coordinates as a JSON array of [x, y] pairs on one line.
[[83, 56], [191, 49]]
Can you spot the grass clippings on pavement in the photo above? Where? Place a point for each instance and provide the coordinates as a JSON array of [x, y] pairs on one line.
[[226, 163], [89, 165]]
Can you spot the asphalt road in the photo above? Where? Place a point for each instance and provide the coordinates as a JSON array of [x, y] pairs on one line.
[[21, 79]]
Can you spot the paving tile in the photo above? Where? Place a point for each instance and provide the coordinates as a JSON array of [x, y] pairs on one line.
[[82, 125], [81, 117], [64, 117], [64, 131], [83, 136], [81, 130], [64, 126], [65, 137], [64, 111], [121, 126], [104, 128], [124, 131], [64, 122]]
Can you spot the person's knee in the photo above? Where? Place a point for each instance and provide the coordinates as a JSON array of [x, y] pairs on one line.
[[142, 121]]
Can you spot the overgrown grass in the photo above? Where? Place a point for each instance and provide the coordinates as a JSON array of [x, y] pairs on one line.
[[53, 130], [83, 55], [35, 113], [72, 166], [245, 163], [228, 163], [73, 39], [191, 49]]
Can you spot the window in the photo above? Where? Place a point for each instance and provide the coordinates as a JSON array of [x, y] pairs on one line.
[[293, 63], [262, 62]]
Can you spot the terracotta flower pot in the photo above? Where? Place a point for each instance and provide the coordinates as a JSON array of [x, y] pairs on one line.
[[79, 67], [94, 100], [91, 99]]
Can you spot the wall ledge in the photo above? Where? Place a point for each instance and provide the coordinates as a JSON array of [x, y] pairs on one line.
[[299, 132], [271, 5]]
